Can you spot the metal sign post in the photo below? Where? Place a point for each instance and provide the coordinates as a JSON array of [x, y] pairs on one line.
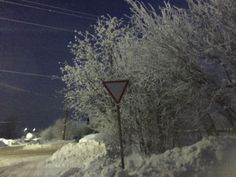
[[120, 136], [117, 89]]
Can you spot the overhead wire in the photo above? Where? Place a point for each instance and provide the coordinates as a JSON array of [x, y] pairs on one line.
[[36, 24], [18, 89], [30, 74], [7, 122], [27, 74], [47, 10], [40, 25], [59, 8]]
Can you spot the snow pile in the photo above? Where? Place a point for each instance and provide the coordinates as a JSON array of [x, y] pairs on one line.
[[198, 160], [210, 157], [37, 146], [78, 154], [72, 158], [8, 142], [90, 137]]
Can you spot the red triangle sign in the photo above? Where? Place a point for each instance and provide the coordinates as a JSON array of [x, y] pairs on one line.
[[116, 89]]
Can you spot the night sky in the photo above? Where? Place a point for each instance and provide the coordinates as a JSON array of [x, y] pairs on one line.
[[34, 101]]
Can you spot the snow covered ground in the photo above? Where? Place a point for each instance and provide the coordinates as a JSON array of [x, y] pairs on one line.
[[8, 142], [73, 157], [37, 146], [210, 157], [202, 159]]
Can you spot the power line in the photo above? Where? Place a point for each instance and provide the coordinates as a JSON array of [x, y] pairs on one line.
[[47, 10], [8, 122], [36, 24], [29, 74], [59, 8], [18, 89]]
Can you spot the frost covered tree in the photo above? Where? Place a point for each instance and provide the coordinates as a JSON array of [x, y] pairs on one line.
[[94, 61], [166, 57]]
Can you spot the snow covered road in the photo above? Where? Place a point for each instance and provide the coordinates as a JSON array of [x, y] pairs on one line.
[[23, 162], [210, 157], [22, 167]]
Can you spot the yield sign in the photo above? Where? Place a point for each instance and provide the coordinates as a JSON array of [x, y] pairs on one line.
[[116, 89]]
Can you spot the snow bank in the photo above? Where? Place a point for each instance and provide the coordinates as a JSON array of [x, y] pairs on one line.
[[198, 160], [37, 146], [88, 138], [72, 158], [8, 142], [78, 154], [210, 157]]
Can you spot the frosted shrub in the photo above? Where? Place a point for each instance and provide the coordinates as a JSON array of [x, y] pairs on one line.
[[73, 129]]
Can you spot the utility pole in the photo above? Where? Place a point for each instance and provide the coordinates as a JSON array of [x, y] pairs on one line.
[[66, 116]]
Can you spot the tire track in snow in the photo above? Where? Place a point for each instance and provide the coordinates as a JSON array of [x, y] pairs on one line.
[[22, 169]]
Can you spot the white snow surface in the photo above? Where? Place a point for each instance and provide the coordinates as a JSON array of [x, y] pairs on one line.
[[202, 159], [210, 157], [72, 158], [37, 146], [8, 142], [79, 154], [90, 137]]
